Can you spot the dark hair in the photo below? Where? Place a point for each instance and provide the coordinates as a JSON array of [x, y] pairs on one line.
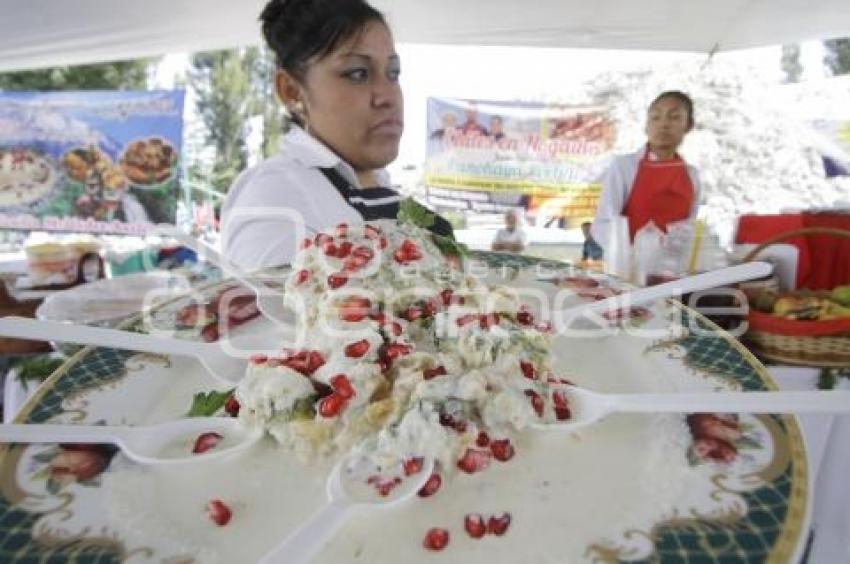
[[298, 30], [683, 98]]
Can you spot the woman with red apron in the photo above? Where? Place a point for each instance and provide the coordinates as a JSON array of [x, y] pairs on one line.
[[654, 184]]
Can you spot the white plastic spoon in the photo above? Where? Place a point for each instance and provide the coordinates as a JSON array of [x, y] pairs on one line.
[[225, 365], [269, 301], [714, 279], [346, 497], [163, 443], [587, 407]]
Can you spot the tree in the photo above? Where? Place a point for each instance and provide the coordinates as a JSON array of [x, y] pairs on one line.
[[791, 65], [837, 57], [231, 87], [120, 75]]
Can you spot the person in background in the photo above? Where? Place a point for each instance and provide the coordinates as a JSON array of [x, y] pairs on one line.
[[471, 125], [511, 238], [653, 183], [497, 128], [590, 249], [338, 77]]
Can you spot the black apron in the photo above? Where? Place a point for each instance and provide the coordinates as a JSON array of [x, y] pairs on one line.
[[377, 203]]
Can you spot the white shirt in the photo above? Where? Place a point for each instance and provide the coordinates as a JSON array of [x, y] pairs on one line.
[[517, 236], [272, 207], [617, 184]]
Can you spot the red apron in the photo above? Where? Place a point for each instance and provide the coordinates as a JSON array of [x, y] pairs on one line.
[[662, 192]]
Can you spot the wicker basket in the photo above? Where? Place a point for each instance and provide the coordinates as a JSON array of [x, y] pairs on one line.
[[809, 343]]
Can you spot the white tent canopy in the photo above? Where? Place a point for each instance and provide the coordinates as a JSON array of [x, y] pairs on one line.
[[41, 33]]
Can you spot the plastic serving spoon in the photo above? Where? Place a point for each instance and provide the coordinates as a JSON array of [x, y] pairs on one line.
[[714, 279], [587, 407], [346, 497], [269, 301], [163, 443], [216, 359]]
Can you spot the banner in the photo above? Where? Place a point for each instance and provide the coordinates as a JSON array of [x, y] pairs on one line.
[[99, 162], [493, 156]]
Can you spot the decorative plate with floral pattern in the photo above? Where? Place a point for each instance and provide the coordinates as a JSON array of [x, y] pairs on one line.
[[56, 504]]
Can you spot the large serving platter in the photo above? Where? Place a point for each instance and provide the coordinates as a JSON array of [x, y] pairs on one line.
[[617, 494]]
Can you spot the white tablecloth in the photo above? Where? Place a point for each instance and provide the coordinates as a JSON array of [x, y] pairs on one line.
[[828, 443]]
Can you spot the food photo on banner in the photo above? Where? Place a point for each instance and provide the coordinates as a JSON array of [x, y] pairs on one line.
[[95, 161], [488, 156]]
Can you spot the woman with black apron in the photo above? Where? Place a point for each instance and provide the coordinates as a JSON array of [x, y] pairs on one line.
[[338, 77]]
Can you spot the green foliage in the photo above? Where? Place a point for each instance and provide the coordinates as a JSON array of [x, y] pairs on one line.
[[121, 75], [411, 211], [837, 56], [232, 87]]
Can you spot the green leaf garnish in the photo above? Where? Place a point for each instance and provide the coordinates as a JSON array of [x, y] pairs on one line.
[[411, 211], [206, 405]]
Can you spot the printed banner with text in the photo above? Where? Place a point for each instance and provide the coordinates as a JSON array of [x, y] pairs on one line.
[[98, 162], [491, 156]]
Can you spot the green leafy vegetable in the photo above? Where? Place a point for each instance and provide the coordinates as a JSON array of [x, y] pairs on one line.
[[206, 405], [411, 211], [38, 368]]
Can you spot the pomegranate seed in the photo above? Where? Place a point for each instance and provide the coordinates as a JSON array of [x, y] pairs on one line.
[[466, 319], [474, 525], [429, 373], [384, 243], [372, 232], [431, 486], [337, 280], [231, 406], [536, 402], [384, 488], [474, 461], [488, 320], [392, 351], [341, 230], [323, 238], [301, 276], [219, 513], [436, 539], [483, 439], [379, 317], [344, 250], [306, 243], [413, 466], [329, 249], [354, 309], [527, 369], [412, 313], [498, 525], [524, 317], [364, 253], [429, 308], [558, 398], [357, 349], [502, 450], [205, 442], [394, 328], [331, 405], [342, 386], [259, 359], [446, 295], [315, 360], [562, 413]]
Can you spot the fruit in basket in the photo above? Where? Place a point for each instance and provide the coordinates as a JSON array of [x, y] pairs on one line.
[[841, 295], [804, 306], [765, 301]]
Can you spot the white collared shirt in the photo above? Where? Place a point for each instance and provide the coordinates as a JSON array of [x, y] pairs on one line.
[[617, 184], [271, 207]]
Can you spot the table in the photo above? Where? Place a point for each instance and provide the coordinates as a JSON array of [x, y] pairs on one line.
[[828, 444]]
